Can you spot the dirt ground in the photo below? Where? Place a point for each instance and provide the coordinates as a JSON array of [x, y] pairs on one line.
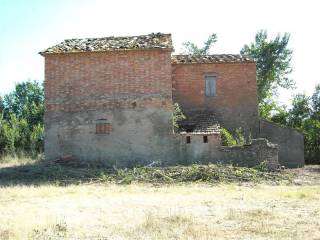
[[309, 175], [175, 211]]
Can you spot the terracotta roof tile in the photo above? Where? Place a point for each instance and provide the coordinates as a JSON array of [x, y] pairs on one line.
[[200, 122], [150, 41], [216, 58]]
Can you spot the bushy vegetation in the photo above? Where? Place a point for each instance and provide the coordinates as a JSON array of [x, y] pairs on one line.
[[226, 138], [177, 115], [21, 120], [304, 115], [237, 139]]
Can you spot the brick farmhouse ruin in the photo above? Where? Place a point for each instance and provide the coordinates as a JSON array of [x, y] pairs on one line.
[[110, 101]]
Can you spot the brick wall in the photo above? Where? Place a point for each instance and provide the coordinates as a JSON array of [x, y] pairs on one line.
[[235, 104], [93, 81], [113, 108]]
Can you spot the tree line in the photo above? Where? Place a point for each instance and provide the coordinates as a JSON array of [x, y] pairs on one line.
[[21, 120]]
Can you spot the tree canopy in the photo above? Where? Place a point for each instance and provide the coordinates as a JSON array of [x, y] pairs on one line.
[[193, 49], [21, 119], [304, 114], [273, 59]]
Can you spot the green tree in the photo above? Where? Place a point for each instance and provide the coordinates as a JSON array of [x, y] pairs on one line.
[[304, 115], [193, 49], [1, 105], [280, 116], [21, 123], [300, 111], [267, 108], [272, 111], [316, 102], [25, 101], [311, 130], [273, 59]]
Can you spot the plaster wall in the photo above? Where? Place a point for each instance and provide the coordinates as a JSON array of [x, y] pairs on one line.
[[289, 140]]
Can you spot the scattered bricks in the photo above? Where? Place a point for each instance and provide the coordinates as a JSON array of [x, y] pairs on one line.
[[67, 160]]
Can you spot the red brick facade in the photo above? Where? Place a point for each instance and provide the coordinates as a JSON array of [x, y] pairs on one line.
[[236, 84], [235, 103], [146, 78], [91, 81]]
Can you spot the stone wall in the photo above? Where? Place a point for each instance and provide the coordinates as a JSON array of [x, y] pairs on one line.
[[250, 155], [289, 140], [235, 104]]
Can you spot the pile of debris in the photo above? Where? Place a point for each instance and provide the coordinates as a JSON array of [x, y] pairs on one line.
[[67, 160]]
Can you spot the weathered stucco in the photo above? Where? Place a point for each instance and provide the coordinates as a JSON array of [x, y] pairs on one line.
[[139, 136], [289, 140], [197, 151]]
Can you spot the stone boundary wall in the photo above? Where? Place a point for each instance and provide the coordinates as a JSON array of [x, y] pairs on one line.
[[250, 155], [289, 140]]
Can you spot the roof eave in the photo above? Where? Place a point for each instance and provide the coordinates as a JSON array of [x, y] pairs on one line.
[[44, 53], [190, 63]]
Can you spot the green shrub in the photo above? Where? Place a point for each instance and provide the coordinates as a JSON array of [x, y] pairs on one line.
[[226, 138], [238, 139], [21, 120], [177, 115]]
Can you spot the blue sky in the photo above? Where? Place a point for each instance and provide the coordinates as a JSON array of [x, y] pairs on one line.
[[29, 26]]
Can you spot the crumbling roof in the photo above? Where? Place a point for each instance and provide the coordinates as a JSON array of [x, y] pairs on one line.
[[216, 58], [201, 122], [150, 41]]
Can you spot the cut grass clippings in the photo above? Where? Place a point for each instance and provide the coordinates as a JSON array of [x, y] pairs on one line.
[[41, 173]]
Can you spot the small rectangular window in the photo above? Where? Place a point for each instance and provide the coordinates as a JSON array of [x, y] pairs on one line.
[[210, 86], [103, 127], [188, 139], [205, 139]]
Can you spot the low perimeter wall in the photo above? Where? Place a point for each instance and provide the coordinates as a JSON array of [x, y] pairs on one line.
[[250, 155], [289, 140]]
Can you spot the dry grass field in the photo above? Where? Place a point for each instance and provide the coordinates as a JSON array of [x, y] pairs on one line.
[[201, 210]]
